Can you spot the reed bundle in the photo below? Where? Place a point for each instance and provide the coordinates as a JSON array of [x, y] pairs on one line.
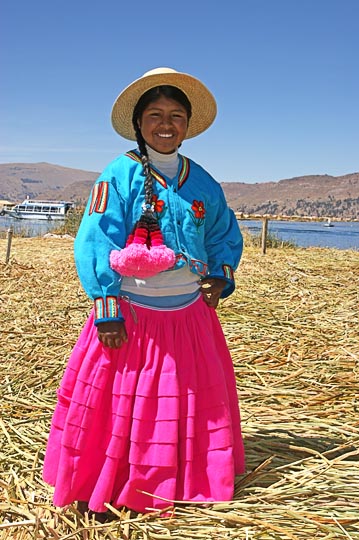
[[293, 329]]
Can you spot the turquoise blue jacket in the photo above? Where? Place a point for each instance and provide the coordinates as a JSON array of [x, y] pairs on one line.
[[194, 217]]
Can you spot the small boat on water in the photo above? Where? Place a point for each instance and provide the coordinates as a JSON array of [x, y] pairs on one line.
[[328, 223], [34, 209]]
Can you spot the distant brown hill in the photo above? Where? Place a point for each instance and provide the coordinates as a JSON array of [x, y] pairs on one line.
[[315, 195], [44, 180]]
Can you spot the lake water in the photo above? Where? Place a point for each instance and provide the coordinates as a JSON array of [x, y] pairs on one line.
[[310, 234], [302, 233], [28, 227]]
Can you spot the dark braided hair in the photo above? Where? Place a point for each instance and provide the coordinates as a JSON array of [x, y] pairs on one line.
[[148, 97]]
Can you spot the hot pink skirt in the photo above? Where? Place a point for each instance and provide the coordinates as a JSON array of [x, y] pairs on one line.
[[157, 419]]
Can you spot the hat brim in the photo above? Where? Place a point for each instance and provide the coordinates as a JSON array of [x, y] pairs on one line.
[[204, 108]]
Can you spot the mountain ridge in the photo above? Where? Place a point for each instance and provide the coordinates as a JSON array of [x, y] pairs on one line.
[[310, 195]]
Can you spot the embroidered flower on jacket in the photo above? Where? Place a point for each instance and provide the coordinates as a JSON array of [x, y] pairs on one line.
[[198, 209], [158, 206], [198, 213]]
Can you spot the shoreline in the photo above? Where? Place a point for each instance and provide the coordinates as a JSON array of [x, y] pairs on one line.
[[274, 217]]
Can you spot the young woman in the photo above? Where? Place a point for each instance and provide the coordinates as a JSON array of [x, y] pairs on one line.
[[147, 409]]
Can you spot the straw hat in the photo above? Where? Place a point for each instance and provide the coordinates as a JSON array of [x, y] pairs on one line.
[[204, 108]]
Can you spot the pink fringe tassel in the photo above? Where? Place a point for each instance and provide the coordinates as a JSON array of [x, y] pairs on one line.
[[139, 261]]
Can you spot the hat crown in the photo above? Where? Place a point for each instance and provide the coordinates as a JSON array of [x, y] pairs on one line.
[[159, 71]]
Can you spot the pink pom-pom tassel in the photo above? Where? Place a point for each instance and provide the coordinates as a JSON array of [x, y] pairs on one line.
[[138, 261], [162, 258]]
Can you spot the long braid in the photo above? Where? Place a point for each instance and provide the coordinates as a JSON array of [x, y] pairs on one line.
[[148, 218], [146, 166]]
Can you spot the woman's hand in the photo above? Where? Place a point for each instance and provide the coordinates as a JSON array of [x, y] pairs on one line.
[[211, 289], [112, 334]]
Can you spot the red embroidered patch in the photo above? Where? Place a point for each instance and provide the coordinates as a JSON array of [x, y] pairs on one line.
[[99, 198], [228, 272], [198, 213], [157, 204], [198, 209]]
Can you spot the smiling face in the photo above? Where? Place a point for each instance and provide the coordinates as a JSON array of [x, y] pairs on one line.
[[164, 124]]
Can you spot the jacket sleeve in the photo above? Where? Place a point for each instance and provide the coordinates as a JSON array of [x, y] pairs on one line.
[[102, 229], [224, 242]]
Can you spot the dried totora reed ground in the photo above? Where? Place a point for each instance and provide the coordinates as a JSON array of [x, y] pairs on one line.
[[292, 327]]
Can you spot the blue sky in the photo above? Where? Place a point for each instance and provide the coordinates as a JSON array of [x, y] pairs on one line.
[[285, 74]]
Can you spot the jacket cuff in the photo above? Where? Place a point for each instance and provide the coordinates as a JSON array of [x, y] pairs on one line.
[[107, 310], [227, 274]]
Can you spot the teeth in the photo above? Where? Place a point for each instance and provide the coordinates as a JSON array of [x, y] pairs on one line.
[[165, 135]]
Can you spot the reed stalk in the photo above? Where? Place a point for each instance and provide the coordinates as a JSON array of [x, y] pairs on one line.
[[292, 328]]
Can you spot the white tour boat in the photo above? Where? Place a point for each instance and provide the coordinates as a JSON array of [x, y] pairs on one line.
[[328, 223], [33, 209]]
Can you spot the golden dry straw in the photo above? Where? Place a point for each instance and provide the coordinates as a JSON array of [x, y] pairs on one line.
[[292, 328]]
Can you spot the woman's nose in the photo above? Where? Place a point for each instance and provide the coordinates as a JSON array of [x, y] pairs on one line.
[[166, 120]]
